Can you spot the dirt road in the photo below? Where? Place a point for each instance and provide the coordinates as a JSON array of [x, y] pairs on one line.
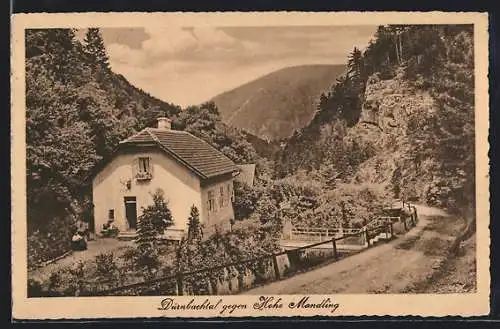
[[403, 265]]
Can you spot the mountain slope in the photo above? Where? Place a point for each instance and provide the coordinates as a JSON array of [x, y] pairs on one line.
[[276, 104]]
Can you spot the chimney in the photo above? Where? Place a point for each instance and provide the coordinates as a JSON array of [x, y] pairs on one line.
[[164, 123]]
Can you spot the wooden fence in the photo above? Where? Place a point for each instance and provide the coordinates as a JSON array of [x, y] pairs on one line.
[[246, 274], [318, 234], [251, 272], [406, 215]]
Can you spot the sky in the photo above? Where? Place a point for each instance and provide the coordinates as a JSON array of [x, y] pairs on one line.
[[190, 65]]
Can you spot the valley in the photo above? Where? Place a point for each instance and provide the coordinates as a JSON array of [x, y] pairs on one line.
[[275, 105]]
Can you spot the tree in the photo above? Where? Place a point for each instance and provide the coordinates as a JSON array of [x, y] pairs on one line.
[[355, 65], [245, 199], [156, 217], [195, 231], [204, 122], [95, 49], [151, 224]]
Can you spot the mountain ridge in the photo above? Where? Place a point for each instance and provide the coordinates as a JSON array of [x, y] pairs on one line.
[[276, 104]]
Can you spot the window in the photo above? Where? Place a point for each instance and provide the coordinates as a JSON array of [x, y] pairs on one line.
[[111, 214], [143, 165], [143, 169], [222, 200], [211, 201]]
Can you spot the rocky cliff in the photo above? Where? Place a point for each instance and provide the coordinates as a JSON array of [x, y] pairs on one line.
[[387, 110]]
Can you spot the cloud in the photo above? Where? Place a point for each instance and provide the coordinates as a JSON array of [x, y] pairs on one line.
[[168, 42], [189, 83], [190, 65], [212, 37], [123, 54]]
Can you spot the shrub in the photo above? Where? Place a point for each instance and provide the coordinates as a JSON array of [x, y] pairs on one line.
[[106, 267], [51, 241], [245, 200], [223, 248]]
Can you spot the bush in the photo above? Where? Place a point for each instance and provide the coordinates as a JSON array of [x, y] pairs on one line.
[[106, 267], [223, 248], [352, 205], [50, 242], [245, 200]]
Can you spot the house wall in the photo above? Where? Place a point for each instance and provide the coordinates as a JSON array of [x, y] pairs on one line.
[[181, 187], [222, 215]]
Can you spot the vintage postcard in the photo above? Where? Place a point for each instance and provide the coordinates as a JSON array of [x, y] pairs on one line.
[[207, 165]]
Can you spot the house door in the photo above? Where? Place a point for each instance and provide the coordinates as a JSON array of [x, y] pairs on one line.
[[131, 211]]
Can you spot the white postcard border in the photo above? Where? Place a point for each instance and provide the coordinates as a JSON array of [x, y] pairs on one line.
[[352, 304]]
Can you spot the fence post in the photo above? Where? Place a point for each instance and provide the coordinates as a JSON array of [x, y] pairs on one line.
[[276, 268], [334, 243], [367, 237], [179, 285], [404, 223], [392, 229]]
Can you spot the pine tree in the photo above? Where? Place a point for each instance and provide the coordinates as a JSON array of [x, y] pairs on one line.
[[95, 49], [146, 234], [195, 231], [355, 65], [153, 222]]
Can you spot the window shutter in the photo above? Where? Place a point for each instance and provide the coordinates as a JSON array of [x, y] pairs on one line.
[[150, 163], [231, 192], [135, 167]]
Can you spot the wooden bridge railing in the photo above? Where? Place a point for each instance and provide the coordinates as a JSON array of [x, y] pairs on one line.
[[323, 234], [318, 234]]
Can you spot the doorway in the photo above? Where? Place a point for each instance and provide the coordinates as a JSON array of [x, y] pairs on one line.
[[131, 211]]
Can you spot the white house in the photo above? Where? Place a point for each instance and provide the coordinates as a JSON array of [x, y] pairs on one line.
[[187, 169]]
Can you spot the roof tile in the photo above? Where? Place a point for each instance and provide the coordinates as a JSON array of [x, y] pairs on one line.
[[193, 151]]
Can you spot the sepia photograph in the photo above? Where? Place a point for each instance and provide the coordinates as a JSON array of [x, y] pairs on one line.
[[187, 162]]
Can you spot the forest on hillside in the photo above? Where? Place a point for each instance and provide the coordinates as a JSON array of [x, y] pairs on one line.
[[436, 145]]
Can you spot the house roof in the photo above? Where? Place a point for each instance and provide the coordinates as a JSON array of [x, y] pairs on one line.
[[189, 150]]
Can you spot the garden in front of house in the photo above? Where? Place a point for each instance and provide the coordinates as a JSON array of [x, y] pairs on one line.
[[149, 256]]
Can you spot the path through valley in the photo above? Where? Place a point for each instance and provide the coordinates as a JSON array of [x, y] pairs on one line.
[[403, 265]]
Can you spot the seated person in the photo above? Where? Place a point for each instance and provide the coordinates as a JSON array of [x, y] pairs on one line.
[[78, 241], [83, 228]]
